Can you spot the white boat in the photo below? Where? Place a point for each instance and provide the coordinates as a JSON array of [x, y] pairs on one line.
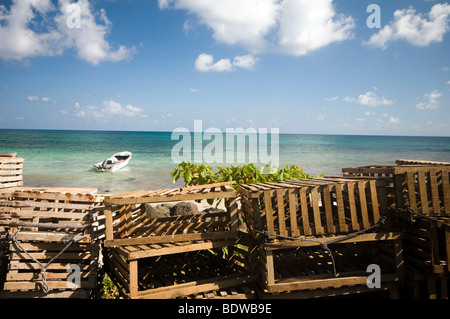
[[115, 162]]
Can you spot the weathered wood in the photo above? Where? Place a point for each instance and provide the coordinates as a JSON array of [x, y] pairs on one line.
[[319, 206]]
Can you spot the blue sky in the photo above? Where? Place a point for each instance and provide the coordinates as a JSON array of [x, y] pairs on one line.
[[308, 67]]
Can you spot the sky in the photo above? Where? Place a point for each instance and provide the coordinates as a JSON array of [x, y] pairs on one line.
[[361, 67]]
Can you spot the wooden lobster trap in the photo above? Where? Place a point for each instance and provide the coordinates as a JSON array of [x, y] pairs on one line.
[[313, 207], [426, 241], [312, 271], [183, 269], [11, 171], [423, 188], [318, 217], [127, 221], [50, 233]]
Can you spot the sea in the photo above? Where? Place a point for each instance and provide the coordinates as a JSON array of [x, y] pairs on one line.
[[60, 158]]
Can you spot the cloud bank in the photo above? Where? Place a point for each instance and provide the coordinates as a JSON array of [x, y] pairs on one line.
[[33, 28], [293, 27]]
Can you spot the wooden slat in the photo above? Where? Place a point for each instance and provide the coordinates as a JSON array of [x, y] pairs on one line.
[[293, 213], [328, 208], [269, 212], [446, 191], [423, 192], [340, 206], [410, 183], [304, 212], [281, 216], [374, 198], [351, 198], [363, 203], [432, 178], [316, 211]]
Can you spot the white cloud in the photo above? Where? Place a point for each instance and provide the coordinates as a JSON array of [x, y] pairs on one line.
[[448, 82], [370, 99], [294, 27], [205, 63], [432, 101], [244, 61], [394, 120], [39, 28], [417, 29], [34, 98], [335, 98], [321, 117], [110, 109]]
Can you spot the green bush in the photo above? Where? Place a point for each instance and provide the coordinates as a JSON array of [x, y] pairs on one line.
[[201, 174]]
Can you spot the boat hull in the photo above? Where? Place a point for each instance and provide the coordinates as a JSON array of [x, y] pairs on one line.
[[114, 163]]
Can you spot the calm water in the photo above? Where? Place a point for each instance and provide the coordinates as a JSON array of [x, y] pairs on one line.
[[66, 158]]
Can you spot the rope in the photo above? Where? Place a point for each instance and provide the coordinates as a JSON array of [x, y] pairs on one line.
[[45, 287], [325, 244], [412, 212]]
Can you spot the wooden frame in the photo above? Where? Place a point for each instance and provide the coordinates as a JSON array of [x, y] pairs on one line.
[[126, 222], [427, 243], [11, 171], [313, 207], [414, 185], [307, 269], [42, 222], [49, 213], [180, 269]]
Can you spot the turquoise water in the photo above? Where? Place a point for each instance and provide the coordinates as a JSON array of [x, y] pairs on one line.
[[66, 158]]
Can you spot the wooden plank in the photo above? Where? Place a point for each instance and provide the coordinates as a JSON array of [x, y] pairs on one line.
[[433, 185], [410, 184], [374, 198], [169, 239], [232, 211], [363, 203], [269, 212], [446, 192], [304, 212], [351, 198], [328, 208], [280, 208], [48, 236], [423, 192], [316, 211], [340, 206], [29, 213], [293, 213]]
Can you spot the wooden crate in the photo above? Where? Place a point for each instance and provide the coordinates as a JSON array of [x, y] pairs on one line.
[[126, 221], [48, 214], [41, 222], [423, 188], [24, 280], [181, 269], [312, 271], [11, 171], [313, 207], [427, 243]]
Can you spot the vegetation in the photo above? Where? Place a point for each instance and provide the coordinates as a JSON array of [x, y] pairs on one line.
[[200, 174]]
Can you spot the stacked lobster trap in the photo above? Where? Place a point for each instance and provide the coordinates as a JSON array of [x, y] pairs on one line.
[[52, 248], [182, 255], [420, 200], [318, 236]]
